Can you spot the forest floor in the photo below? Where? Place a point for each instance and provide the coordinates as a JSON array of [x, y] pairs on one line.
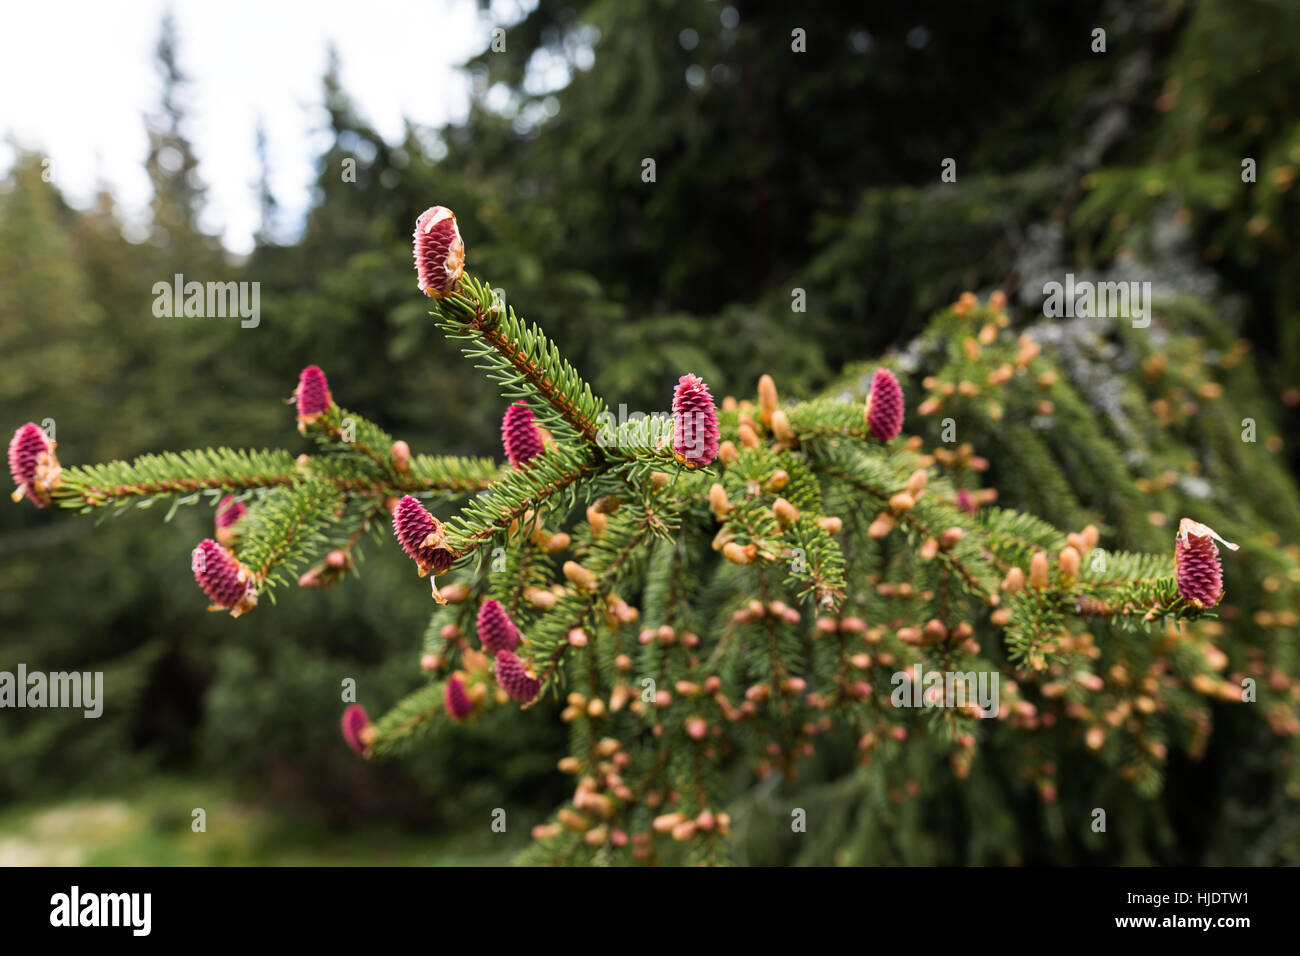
[[143, 827]]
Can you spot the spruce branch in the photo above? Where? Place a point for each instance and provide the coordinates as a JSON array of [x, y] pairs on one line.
[[521, 359], [286, 526], [552, 478], [173, 473]]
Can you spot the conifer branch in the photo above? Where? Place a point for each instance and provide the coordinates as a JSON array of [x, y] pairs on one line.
[[521, 358]]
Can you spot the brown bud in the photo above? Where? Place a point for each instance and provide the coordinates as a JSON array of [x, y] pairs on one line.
[[401, 457], [881, 527], [781, 427], [573, 821], [909, 635], [786, 513], [579, 576], [949, 538], [1069, 563], [597, 520], [1090, 537], [830, 524], [748, 438], [718, 500], [1014, 581], [739, 554], [727, 453], [767, 399], [901, 502], [540, 598], [1038, 570]]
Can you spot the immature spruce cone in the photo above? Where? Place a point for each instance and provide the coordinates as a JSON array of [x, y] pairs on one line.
[[313, 395], [229, 512], [421, 537], [513, 678], [695, 423], [32, 464], [439, 252], [228, 584], [456, 700], [355, 724], [519, 435], [1196, 564], [884, 413], [496, 632]]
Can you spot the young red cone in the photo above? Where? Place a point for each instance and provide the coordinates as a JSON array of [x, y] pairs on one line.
[[1197, 568], [439, 252], [357, 729], [496, 632], [456, 700], [229, 513], [884, 411], [514, 678], [695, 423], [421, 537], [519, 435], [33, 465], [229, 585], [313, 395]]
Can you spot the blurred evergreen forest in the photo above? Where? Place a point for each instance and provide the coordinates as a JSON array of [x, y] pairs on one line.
[[775, 171]]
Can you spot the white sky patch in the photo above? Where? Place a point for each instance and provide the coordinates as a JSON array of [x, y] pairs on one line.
[[78, 78]]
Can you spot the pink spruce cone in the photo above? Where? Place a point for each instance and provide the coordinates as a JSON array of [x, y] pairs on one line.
[[32, 464], [884, 412], [1197, 568], [456, 700], [421, 537], [439, 252], [228, 584], [695, 423], [965, 502], [496, 632], [519, 435], [229, 512], [513, 677], [313, 394], [357, 729]]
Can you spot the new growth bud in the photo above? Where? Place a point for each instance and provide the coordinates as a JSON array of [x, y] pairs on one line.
[[439, 252], [32, 465], [884, 410], [695, 423]]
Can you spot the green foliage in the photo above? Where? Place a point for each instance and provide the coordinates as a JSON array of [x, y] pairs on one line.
[[636, 282], [776, 638]]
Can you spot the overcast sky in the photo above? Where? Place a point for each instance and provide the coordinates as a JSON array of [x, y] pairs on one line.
[[77, 78]]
